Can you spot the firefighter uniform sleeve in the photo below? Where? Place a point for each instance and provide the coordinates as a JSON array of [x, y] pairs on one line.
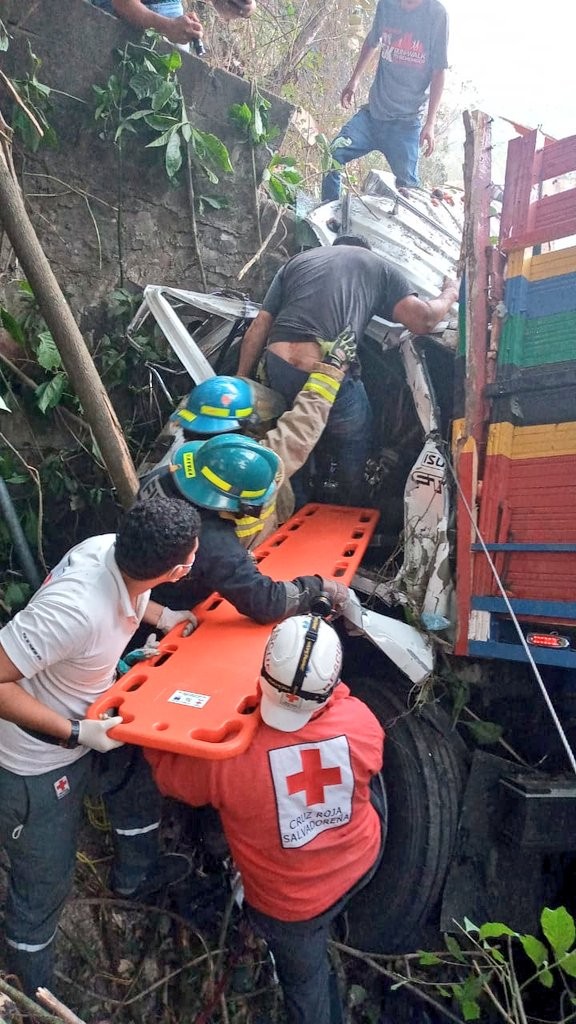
[[299, 429]]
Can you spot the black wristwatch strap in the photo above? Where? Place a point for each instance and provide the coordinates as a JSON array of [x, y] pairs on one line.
[[72, 740]]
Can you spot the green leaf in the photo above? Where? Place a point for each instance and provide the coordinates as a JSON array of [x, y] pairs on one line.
[[278, 191], [240, 114], [454, 948], [494, 930], [292, 177], [534, 949], [163, 139], [47, 353], [215, 202], [568, 964], [11, 324], [173, 155], [357, 995], [485, 732], [546, 978], [48, 395], [469, 926], [558, 927], [470, 1009], [216, 150], [428, 959], [138, 115], [167, 91], [16, 594]]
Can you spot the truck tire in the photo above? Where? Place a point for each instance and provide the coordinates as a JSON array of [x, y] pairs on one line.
[[424, 775]]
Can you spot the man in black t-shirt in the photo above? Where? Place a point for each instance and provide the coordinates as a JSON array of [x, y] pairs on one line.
[[314, 298]]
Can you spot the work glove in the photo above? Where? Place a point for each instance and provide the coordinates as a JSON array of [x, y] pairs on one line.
[[338, 594], [94, 734], [312, 588], [341, 351], [170, 618], [151, 648]]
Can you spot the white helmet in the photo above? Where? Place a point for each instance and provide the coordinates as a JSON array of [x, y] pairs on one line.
[[300, 670]]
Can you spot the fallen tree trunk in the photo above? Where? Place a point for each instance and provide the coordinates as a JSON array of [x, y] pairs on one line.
[[78, 363]]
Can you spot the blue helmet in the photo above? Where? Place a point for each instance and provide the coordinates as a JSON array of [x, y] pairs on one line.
[[228, 473], [216, 406]]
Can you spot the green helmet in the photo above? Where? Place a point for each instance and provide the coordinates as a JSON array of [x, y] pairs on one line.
[[227, 473]]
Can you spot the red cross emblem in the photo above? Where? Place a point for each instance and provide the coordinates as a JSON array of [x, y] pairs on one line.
[[313, 778], [62, 786]]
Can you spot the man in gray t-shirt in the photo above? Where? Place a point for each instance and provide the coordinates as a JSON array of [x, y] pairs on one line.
[[314, 297], [412, 37]]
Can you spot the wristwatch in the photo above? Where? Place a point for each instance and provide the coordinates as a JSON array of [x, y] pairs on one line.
[[73, 738]]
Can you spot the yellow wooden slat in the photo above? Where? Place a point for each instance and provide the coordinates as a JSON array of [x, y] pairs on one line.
[[537, 442]]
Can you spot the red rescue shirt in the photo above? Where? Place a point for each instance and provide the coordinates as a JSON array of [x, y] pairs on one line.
[[295, 806]]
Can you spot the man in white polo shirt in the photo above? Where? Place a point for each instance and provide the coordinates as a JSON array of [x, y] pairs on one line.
[[56, 656]]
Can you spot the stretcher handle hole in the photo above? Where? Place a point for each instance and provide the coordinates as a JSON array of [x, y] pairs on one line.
[[279, 540], [134, 683], [214, 604], [164, 657], [358, 534], [339, 571], [160, 726], [349, 551], [365, 518], [249, 706]]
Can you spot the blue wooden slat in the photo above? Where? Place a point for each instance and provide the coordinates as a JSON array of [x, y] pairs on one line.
[[563, 548], [546, 609], [515, 652], [534, 299]]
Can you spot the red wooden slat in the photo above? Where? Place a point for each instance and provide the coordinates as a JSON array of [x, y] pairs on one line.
[[559, 158], [518, 186]]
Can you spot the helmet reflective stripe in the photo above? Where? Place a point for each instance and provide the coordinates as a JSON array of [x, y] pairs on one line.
[[214, 479], [212, 410], [217, 405], [253, 494], [227, 473]]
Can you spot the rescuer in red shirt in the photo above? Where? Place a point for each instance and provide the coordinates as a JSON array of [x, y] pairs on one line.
[[296, 807]]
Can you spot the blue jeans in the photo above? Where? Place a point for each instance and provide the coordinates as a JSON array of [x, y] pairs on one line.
[[398, 140], [347, 433], [169, 8]]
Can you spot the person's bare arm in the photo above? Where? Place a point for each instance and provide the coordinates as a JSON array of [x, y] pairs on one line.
[[21, 708], [253, 343], [366, 57], [421, 315], [427, 135], [177, 30]]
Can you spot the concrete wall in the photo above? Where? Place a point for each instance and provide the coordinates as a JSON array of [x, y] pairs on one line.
[[73, 209]]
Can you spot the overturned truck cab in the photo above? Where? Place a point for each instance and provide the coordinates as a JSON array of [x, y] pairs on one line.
[[462, 633]]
